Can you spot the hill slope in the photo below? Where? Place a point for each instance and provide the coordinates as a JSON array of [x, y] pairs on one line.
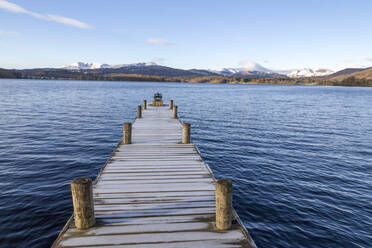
[[357, 73]]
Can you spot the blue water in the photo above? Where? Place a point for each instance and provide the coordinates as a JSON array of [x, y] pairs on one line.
[[300, 157]]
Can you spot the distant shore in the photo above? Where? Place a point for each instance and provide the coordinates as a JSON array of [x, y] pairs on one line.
[[74, 75]]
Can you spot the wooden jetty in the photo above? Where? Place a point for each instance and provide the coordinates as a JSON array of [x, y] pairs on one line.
[[155, 192]]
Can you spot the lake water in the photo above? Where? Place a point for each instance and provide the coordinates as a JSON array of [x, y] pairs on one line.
[[300, 157]]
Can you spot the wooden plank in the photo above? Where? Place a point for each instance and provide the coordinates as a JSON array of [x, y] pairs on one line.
[[161, 158], [149, 220], [155, 163], [104, 200], [99, 206], [226, 243], [160, 173], [154, 181], [151, 167], [153, 212], [140, 228], [159, 195], [151, 238], [142, 176], [155, 170], [180, 187]]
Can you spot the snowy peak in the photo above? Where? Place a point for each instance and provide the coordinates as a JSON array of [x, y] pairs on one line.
[[248, 69], [94, 65], [84, 66], [260, 71], [226, 71], [244, 72], [249, 65], [307, 72], [251, 69]]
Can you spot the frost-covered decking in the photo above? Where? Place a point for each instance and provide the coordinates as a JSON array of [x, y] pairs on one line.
[[155, 193]]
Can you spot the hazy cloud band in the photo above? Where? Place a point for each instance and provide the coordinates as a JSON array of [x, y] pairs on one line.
[[11, 7]]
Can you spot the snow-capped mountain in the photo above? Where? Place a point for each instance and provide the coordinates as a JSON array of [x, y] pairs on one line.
[[84, 66], [226, 71], [308, 72], [94, 65], [248, 69], [243, 72], [259, 71]]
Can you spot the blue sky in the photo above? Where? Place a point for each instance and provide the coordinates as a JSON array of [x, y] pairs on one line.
[[278, 35]]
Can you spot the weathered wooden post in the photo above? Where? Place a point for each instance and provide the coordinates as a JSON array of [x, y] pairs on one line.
[[144, 104], [170, 104], [139, 111], [185, 133], [82, 199], [127, 133], [223, 204], [174, 112]]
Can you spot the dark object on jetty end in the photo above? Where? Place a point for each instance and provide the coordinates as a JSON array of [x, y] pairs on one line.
[[158, 97], [158, 100]]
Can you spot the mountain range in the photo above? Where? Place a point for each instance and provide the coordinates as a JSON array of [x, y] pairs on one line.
[[250, 69], [95, 65]]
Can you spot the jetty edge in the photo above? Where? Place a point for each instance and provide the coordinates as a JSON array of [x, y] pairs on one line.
[[154, 191]]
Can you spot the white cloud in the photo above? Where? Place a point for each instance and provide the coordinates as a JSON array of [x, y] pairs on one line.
[[68, 21], [160, 42], [11, 7]]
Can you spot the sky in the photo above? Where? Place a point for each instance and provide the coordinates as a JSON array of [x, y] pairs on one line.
[[279, 35]]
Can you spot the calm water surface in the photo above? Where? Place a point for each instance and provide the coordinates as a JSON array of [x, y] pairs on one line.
[[300, 157]]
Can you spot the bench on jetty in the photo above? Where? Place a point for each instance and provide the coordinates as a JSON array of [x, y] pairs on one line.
[[154, 191]]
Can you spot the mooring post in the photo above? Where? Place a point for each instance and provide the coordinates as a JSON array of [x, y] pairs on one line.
[[174, 112], [170, 104], [82, 199], [139, 111], [185, 133], [144, 104], [127, 133], [223, 204]]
